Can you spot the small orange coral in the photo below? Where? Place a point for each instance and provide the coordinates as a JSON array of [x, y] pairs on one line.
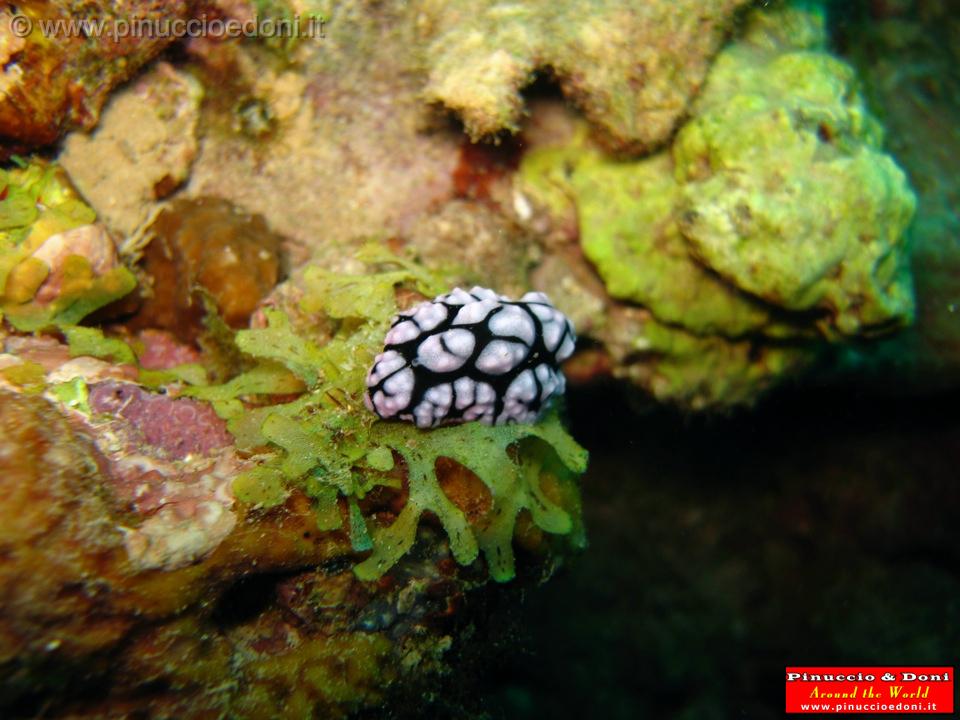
[[207, 243]]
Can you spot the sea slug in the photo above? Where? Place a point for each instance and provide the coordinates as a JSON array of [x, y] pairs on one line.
[[469, 356]]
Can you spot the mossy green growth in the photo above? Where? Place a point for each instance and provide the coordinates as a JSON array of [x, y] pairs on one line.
[[787, 192], [330, 446], [696, 370], [36, 203], [629, 231], [73, 394], [773, 225], [92, 342], [718, 235]]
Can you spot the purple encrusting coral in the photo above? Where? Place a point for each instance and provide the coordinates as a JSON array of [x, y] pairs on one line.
[[179, 426]]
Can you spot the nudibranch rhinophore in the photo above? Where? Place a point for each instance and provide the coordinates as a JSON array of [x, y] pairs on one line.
[[471, 355]]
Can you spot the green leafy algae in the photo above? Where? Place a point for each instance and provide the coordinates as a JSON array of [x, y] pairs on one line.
[[513, 483], [330, 446], [279, 342], [73, 394], [93, 343]]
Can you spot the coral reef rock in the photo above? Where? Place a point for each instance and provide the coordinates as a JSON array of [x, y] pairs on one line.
[[776, 134], [907, 54], [706, 244], [58, 75], [715, 239], [140, 151], [205, 245], [261, 546], [631, 68]]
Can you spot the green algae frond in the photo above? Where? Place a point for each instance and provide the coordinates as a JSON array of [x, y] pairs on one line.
[[514, 484], [327, 444], [91, 342]]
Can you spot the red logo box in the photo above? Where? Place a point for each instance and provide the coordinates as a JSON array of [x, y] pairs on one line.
[[893, 689]]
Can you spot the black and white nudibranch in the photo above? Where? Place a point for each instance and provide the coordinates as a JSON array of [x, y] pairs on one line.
[[471, 355]]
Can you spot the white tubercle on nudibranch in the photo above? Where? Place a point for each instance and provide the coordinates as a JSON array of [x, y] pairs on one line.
[[471, 355]]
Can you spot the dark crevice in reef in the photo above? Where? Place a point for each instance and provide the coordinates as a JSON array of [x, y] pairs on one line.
[[31, 697], [247, 598]]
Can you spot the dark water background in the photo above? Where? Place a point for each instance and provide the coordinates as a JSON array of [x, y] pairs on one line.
[[820, 528]]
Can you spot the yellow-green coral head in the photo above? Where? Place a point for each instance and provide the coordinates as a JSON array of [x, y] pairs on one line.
[[469, 356]]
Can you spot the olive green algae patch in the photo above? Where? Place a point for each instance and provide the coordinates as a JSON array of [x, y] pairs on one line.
[[327, 444], [787, 193], [774, 225], [629, 231], [56, 266]]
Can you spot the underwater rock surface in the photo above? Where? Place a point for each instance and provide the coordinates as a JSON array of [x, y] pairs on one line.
[[141, 149], [187, 602], [263, 536], [906, 53], [719, 281], [631, 68], [55, 81], [774, 223]]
